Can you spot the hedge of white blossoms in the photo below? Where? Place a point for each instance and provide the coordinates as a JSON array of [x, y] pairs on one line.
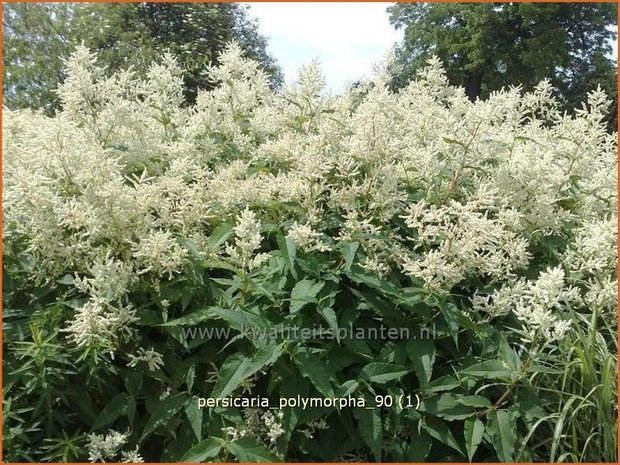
[[123, 187]]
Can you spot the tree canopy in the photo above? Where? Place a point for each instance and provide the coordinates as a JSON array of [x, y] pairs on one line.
[[38, 36], [486, 46]]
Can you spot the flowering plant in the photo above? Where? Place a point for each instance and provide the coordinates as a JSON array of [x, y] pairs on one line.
[[130, 219]]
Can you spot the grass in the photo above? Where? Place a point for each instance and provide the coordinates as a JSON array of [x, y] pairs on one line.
[[584, 426]]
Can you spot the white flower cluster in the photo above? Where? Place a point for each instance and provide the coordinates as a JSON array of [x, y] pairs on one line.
[[533, 303], [592, 260], [114, 188], [262, 425], [273, 426], [102, 448], [313, 426], [306, 238], [97, 324], [464, 239], [247, 242], [152, 358], [159, 252]]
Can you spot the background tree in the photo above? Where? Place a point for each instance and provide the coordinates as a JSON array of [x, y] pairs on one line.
[[38, 36], [486, 46], [35, 36]]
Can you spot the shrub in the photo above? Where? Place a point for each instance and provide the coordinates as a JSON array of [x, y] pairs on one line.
[[159, 256]]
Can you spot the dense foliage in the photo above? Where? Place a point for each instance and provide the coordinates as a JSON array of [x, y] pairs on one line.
[[132, 221], [37, 37], [487, 46]]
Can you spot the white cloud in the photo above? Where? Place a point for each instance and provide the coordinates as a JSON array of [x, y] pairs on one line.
[[346, 38]]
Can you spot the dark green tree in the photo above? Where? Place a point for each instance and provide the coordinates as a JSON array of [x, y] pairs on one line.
[[486, 46], [38, 36]]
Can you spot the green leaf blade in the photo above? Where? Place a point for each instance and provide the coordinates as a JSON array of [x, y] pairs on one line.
[[502, 428], [204, 450], [473, 431]]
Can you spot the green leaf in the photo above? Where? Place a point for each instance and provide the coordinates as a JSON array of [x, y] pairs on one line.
[[330, 317], [237, 368], [248, 450], [380, 373], [214, 264], [194, 415], [292, 386], [446, 406], [348, 250], [369, 424], [133, 381], [440, 431], [193, 318], [474, 430], [219, 235], [502, 428], [509, 355], [67, 280], [347, 388], [191, 247], [422, 355], [443, 383], [288, 249], [116, 407], [81, 399], [190, 377], [303, 293], [131, 409], [315, 370], [165, 410], [266, 355], [206, 449], [418, 446], [232, 373], [359, 275], [488, 369], [239, 319], [474, 401]]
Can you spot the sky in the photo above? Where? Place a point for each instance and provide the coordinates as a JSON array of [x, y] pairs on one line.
[[346, 38]]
